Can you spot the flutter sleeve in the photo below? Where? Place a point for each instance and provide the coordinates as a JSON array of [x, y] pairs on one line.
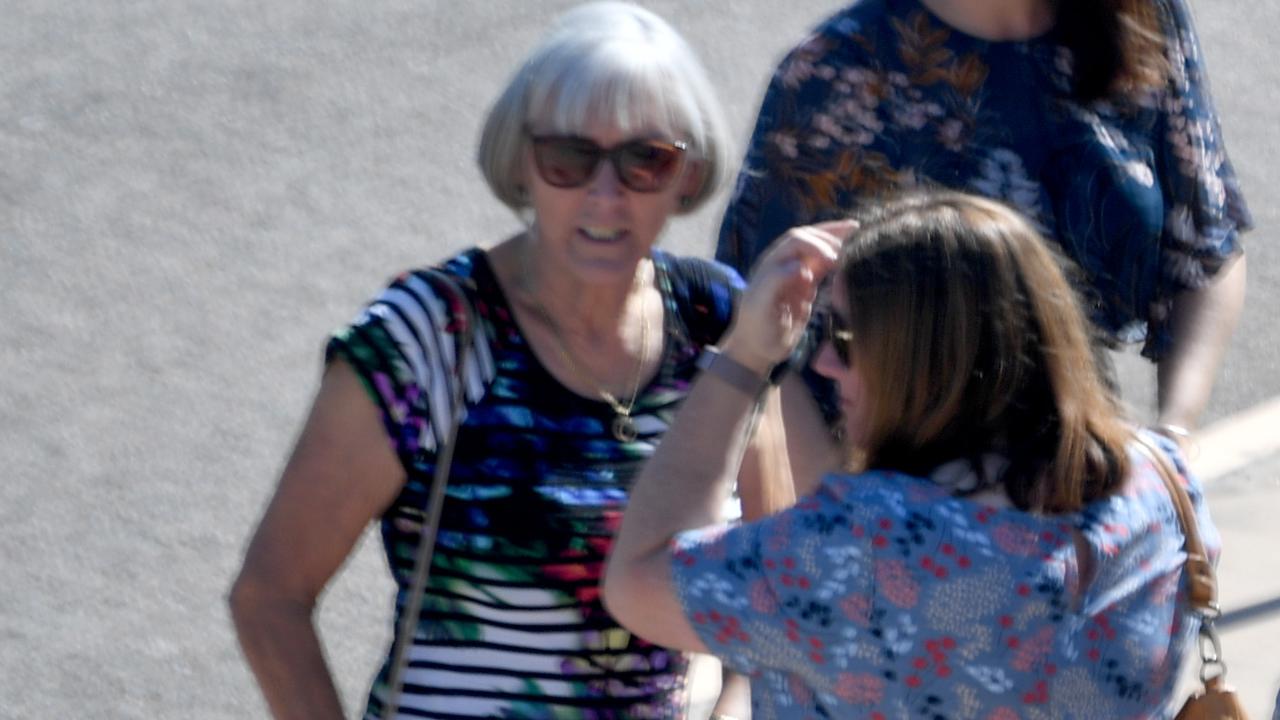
[[773, 190], [705, 292], [1205, 210]]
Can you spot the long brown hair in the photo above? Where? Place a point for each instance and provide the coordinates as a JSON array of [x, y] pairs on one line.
[[971, 340], [1117, 45]]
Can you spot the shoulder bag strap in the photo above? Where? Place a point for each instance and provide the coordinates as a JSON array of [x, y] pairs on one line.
[[1216, 701], [1202, 582], [431, 517]]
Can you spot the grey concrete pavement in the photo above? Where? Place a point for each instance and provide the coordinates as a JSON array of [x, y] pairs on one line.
[[1244, 506], [1239, 460], [193, 194]]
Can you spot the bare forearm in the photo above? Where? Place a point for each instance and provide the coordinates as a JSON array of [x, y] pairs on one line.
[[810, 448], [765, 484], [280, 643], [1203, 322], [735, 697], [685, 484]]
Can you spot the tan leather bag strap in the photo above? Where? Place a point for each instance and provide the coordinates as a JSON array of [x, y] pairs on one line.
[[1202, 582]]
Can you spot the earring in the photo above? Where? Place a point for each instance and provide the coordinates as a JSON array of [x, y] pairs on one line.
[[522, 193], [685, 201]]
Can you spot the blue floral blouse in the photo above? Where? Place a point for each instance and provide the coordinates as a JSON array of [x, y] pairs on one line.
[[885, 96], [883, 596]]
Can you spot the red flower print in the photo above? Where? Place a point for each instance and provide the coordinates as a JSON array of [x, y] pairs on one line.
[[1039, 695], [1033, 650], [857, 608], [862, 689], [762, 598], [896, 583], [802, 694], [1014, 540]]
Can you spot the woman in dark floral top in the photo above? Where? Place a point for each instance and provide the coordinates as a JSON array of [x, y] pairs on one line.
[[1095, 123]]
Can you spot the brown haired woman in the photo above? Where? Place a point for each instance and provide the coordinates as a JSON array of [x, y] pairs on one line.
[[989, 542], [1091, 117]]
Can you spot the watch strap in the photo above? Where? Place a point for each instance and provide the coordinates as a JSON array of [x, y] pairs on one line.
[[732, 372]]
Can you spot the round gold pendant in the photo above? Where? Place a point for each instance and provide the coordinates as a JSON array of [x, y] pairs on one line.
[[624, 428]]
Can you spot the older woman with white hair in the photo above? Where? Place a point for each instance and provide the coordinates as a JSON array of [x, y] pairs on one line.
[[585, 340]]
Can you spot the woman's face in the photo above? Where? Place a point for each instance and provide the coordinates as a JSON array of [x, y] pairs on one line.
[[851, 386], [599, 231]]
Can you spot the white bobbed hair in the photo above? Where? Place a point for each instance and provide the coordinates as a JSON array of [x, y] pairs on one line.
[[609, 62]]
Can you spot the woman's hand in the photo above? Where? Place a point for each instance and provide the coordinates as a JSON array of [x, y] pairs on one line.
[[775, 308]]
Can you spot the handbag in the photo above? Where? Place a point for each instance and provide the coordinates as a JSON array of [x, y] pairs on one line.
[[1215, 700], [462, 330]]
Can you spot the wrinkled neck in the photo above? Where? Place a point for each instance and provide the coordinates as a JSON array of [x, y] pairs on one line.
[[590, 310]]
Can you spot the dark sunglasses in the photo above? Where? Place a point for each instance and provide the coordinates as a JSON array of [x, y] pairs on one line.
[[839, 333], [642, 165]]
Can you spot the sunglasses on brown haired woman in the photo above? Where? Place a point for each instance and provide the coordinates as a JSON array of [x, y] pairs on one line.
[[839, 333], [642, 165]]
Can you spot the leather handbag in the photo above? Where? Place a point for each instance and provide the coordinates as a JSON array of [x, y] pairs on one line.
[[1215, 700]]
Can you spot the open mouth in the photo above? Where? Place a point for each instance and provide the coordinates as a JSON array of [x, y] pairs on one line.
[[602, 234]]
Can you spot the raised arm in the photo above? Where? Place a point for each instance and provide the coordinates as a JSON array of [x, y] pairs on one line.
[[342, 474], [683, 485]]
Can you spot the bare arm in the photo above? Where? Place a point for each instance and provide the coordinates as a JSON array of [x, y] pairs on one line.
[[1203, 322], [812, 451], [764, 487], [682, 485], [342, 474], [764, 481], [791, 450]]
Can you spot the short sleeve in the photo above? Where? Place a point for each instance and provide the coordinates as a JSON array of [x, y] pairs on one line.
[[1205, 210], [1135, 537], [403, 347], [705, 292], [719, 577]]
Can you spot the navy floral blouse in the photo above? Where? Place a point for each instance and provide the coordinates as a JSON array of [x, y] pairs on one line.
[[885, 96]]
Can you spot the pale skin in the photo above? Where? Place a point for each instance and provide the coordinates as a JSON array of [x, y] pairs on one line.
[[998, 20], [343, 473], [1203, 322]]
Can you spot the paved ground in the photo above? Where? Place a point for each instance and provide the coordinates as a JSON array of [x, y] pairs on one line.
[[192, 194]]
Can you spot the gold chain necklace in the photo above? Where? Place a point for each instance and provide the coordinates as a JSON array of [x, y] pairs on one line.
[[624, 426]]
